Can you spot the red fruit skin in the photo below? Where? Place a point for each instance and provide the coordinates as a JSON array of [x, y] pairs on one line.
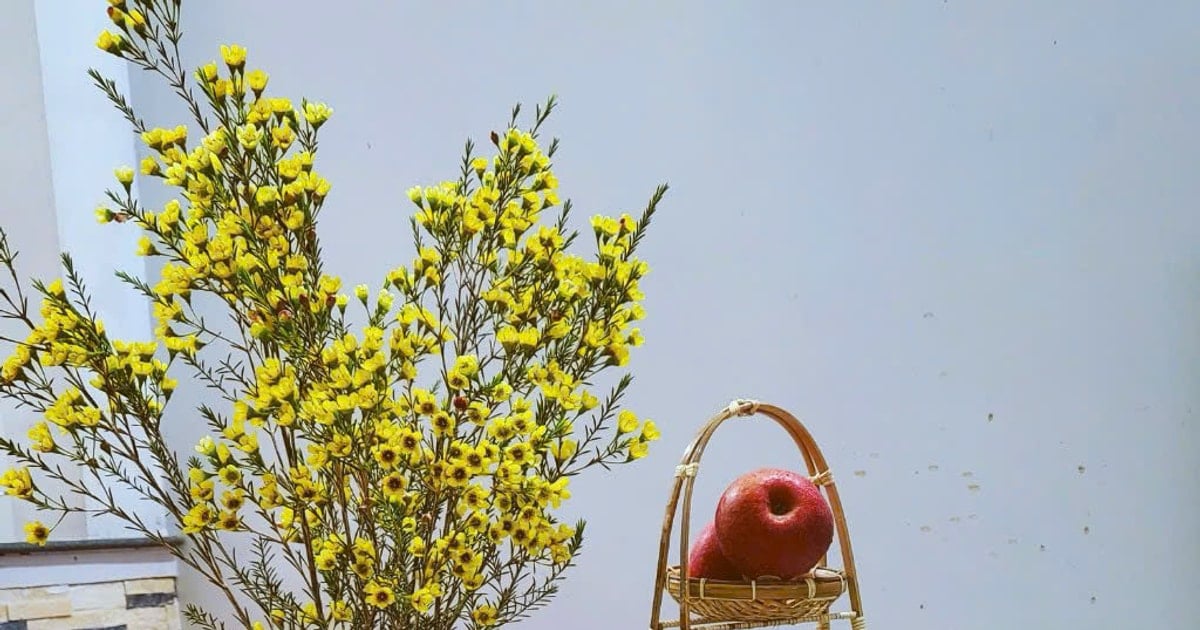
[[705, 559], [760, 543]]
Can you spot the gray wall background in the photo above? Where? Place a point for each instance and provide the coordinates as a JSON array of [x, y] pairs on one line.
[[955, 239]]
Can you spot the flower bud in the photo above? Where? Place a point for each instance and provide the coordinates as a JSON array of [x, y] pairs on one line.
[[124, 175], [207, 72], [111, 43]]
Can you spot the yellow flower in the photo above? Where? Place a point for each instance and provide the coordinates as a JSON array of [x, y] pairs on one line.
[[604, 226], [18, 482], [282, 137], [222, 88], [627, 422], [232, 500], [473, 582], [110, 43], [257, 80], [650, 431], [474, 497], [479, 165], [340, 445], [234, 56], [206, 446], [443, 424], [364, 548], [560, 554], [484, 615], [208, 72], [563, 450], [416, 547], [248, 136], [326, 560], [467, 365], [638, 449], [520, 453], [230, 475], [136, 21], [150, 166], [229, 521], [385, 300], [317, 113], [378, 595], [41, 438], [308, 614], [477, 412], [423, 598], [202, 490], [408, 441], [456, 380], [394, 486], [266, 196], [145, 247], [124, 175], [458, 474], [199, 517], [36, 533], [424, 402]]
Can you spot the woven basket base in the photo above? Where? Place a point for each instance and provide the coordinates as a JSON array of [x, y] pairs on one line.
[[759, 600]]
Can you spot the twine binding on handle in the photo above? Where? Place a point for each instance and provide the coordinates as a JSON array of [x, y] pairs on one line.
[[687, 470], [742, 407], [824, 478]]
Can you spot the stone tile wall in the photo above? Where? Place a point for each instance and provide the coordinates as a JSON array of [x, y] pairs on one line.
[[148, 604]]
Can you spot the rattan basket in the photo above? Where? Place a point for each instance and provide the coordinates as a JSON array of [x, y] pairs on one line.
[[727, 605]]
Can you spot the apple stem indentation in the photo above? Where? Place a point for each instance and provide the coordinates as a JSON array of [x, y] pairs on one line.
[[779, 500]]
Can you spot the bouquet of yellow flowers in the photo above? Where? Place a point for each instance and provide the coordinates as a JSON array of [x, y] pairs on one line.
[[399, 472]]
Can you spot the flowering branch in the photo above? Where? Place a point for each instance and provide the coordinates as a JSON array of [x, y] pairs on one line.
[[404, 471]]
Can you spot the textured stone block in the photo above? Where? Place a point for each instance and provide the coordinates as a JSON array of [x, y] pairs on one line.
[[93, 596], [19, 594], [62, 623], [149, 600], [146, 619], [45, 607], [154, 585], [174, 617], [88, 619]]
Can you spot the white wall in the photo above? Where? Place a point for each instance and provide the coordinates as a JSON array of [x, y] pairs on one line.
[[953, 238], [26, 197], [62, 141]]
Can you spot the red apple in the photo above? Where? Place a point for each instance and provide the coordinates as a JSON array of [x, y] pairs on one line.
[[773, 522], [705, 559]]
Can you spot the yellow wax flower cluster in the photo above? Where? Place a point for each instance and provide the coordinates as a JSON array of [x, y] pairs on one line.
[[410, 468]]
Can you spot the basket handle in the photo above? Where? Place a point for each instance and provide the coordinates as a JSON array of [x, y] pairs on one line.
[[685, 474]]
